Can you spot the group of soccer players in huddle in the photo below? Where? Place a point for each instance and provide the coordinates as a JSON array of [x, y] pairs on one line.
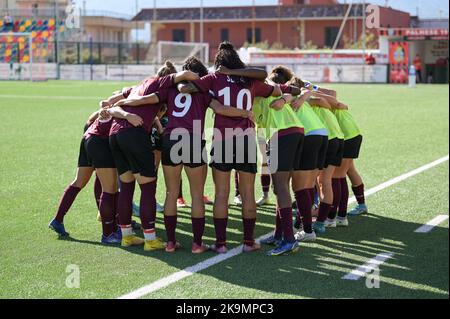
[[308, 137]]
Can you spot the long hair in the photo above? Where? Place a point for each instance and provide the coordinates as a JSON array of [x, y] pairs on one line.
[[281, 75], [229, 58], [167, 69], [195, 65]]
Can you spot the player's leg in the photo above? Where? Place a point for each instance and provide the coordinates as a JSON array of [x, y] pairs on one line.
[[83, 176], [197, 179], [247, 190], [340, 176], [222, 189], [237, 195], [172, 177], [358, 191]]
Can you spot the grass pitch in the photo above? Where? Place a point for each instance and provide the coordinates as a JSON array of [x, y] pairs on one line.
[[403, 129]]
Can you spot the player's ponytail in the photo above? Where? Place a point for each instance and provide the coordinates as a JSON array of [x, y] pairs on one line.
[[167, 69], [281, 75]]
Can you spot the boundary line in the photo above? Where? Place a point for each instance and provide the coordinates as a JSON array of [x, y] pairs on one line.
[[368, 267], [429, 226], [167, 281]]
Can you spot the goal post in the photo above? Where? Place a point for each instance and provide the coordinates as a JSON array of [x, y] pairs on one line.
[[16, 49], [177, 52]]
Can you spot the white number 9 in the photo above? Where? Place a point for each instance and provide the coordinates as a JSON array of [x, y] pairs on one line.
[[183, 102]]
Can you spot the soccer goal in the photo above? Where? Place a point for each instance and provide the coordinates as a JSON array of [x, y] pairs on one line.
[[16, 56], [177, 52]]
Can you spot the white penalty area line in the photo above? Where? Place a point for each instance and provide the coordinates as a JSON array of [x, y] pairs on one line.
[[49, 97], [171, 279], [426, 228]]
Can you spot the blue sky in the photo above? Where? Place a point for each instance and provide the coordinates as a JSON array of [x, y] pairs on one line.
[[427, 8]]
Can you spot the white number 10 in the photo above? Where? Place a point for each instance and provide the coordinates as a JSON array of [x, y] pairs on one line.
[[226, 93], [183, 105]]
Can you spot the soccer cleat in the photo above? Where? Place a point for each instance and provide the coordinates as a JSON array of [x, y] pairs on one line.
[[132, 240], [112, 239], [136, 210], [271, 241], [219, 250], [319, 228], [330, 223], [199, 249], [207, 200], [358, 210], [284, 248], [264, 200], [238, 200], [155, 244], [159, 207], [342, 222], [181, 203], [58, 228], [171, 247], [118, 233], [252, 248], [303, 236]]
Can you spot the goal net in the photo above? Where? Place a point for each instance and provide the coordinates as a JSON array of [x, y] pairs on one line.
[[177, 52], [19, 57]]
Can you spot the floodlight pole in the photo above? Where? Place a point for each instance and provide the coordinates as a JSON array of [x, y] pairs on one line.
[[253, 22], [364, 39], [202, 27]]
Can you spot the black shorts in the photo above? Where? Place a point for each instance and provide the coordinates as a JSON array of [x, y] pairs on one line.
[[83, 158], [314, 153], [189, 150], [285, 154], [132, 151], [241, 155], [322, 153], [99, 153], [352, 147], [335, 152]]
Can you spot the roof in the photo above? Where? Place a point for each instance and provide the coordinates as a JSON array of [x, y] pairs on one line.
[[294, 12]]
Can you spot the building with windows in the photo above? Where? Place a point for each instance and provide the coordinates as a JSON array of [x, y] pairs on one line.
[[291, 24]]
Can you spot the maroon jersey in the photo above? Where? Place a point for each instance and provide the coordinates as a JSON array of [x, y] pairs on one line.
[[146, 112], [231, 92], [184, 109], [99, 128]]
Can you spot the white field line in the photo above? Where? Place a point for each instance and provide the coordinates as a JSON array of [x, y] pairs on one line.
[[166, 281], [426, 228], [49, 97], [368, 267]]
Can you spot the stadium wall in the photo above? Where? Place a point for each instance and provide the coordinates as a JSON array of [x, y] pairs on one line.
[[103, 72]]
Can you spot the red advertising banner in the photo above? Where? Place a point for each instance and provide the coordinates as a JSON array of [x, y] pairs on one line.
[[399, 62]]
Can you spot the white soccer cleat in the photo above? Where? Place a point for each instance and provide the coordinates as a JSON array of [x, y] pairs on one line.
[[330, 223], [342, 222], [263, 201], [303, 236], [238, 200]]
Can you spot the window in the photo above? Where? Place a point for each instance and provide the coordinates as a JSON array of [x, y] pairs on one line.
[[331, 34], [257, 35], [179, 35], [224, 35]]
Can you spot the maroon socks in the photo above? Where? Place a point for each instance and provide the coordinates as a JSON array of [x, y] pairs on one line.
[[278, 227], [336, 184], [148, 205], [124, 205], [220, 225], [106, 207], [265, 183], [287, 224], [70, 193], [359, 194], [170, 223], [324, 210], [342, 212], [198, 229], [304, 205], [97, 191], [249, 230]]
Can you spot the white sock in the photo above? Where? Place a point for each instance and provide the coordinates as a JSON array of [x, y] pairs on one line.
[[127, 230], [149, 234]]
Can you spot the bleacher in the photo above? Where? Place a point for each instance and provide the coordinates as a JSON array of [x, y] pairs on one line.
[[16, 48], [246, 13]]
